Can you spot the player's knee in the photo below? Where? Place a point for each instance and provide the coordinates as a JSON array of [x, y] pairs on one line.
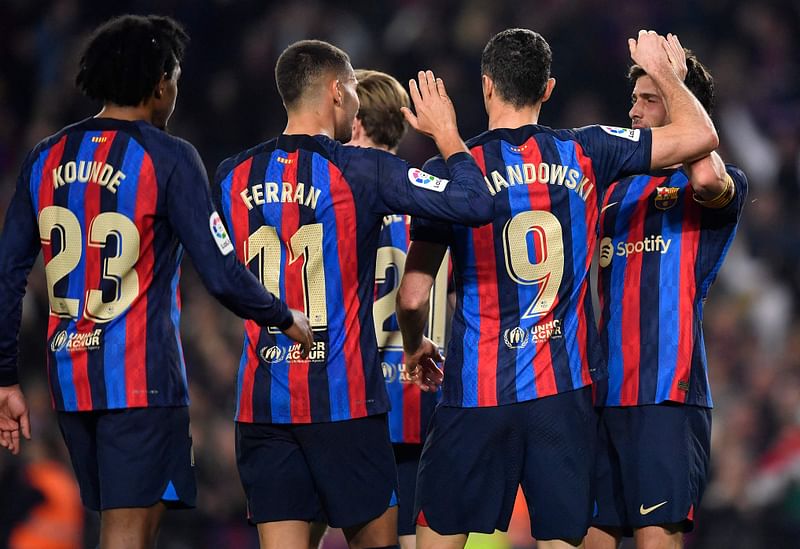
[[668, 536]]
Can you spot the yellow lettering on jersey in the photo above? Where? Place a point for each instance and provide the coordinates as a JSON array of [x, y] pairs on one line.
[[271, 192], [528, 173], [84, 171]]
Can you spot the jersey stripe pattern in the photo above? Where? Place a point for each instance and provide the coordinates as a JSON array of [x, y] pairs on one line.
[[113, 204], [305, 215], [411, 408], [103, 357], [524, 326], [660, 251]]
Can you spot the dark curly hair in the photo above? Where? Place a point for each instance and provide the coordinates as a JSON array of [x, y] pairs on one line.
[[126, 57], [518, 62]]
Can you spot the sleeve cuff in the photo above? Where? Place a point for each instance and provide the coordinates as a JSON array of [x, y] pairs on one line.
[[8, 377], [287, 320]]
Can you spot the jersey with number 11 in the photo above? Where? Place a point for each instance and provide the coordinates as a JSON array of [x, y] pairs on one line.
[[305, 214], [523, 326]]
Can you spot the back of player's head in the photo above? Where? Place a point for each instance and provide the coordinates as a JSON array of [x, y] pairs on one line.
[[698, 80], [381, 97], [127, 56], [302, 63], [518, 62]]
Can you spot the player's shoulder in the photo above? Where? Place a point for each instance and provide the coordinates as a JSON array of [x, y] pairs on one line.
[[521, 134], [227, 166], [155, 140], [48, 142]]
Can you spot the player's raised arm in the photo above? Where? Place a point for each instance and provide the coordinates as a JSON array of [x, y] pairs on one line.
[[691, 134], [204, 236], [459, 195]]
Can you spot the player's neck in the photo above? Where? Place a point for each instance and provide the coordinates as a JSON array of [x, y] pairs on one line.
[[503, 115], [369, 143], [309, 123], [118, 112]]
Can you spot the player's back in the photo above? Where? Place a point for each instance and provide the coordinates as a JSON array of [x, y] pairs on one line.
[[98, 190], [524, 326], [660, 251], [305, 214]]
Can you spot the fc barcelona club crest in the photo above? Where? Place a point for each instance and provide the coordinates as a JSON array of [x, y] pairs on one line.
[[666, 197]]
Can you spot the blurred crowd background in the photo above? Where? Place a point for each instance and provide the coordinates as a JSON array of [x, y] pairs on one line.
[[228, 102]]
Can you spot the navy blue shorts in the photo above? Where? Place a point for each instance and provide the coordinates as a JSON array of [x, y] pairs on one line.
[[133, 457], [407, 458], [342, 471], [474, 459], [652, 465]]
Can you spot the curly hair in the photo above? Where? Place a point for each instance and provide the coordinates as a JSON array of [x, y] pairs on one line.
[[127, 56]]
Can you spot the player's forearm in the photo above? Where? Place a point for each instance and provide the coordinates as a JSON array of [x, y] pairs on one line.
[[449, 142], [707, 176], [413, 302], [412, 327], [241, 292], [467, 193], [11, 303], [691, 133]]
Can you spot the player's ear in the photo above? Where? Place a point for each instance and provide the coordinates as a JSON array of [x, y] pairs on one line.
[[548, 90], [335, 88], [487, 84], [358, 130], [158, 91]]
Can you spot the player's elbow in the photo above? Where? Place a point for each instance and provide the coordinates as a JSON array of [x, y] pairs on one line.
[[707, 183], [412, 299], [707, 139], [219, 288], [481, 210]]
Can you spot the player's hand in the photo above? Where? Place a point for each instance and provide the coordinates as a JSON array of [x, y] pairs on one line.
[[14, 418], [300, 331], [421, 365], [429, 376], [649, 51], [435, 115], [676, 55]]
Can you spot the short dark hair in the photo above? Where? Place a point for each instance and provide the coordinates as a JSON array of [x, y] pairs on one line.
[[302, 63], [518, 62], [698, 80], [126, 57], [381, 97]]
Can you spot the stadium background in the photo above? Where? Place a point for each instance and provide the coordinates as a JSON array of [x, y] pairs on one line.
[[228, 102]]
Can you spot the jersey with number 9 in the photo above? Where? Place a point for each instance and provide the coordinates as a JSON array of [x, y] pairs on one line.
[[523, 327]]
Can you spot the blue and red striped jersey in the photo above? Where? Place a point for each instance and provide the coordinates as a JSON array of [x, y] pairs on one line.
[[109, 202], [411, 408], [305, 214], [660, 251], [523, 327]]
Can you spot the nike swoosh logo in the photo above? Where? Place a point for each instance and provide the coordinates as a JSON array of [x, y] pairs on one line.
[[607, 206], [647, 510]]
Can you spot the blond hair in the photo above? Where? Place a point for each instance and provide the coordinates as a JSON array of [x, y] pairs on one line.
[[381, 97]]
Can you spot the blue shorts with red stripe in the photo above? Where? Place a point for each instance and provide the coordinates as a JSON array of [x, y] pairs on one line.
[[340, 472], [474, 460], [132, 457], [652, 465]]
